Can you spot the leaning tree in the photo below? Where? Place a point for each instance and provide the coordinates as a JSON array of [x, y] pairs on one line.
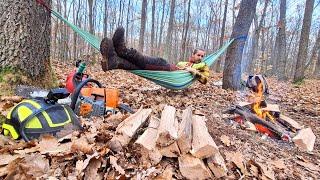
[[232, 68], [25, 39]]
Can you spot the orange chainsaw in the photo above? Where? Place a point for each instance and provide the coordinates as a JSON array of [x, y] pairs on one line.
[[87, 100]]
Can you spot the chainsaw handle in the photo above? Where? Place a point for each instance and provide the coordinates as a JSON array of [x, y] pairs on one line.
[[76, 93]]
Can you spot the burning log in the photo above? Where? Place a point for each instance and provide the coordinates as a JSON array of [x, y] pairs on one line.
[[276, 130], [292, 124]]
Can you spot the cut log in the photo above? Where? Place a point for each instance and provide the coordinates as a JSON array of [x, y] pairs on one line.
[[128, 128], [290, 122], [217, 165], [168, 128], [203, 145], [305, 139], [170, 151], [272, 108], [193, 168], [166, 174], [146, 143], [185, 131]]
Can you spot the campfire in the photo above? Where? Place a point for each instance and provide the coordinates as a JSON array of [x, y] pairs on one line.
[[258, 115]]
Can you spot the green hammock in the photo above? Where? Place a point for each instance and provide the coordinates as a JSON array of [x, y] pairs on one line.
[[169, 79]]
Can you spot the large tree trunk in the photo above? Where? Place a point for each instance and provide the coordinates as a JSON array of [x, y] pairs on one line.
[[281, 56], [232, 69], [25, 38], [304, 40], [143, 24]]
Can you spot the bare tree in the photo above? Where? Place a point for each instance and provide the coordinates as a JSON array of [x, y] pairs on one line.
[[304, 40], [184, 37], [152, 26], [143, 24], [232, 69], [281, 56], [170, 29], [218, 63]]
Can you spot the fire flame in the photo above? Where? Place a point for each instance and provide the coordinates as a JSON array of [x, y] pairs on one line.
[[257, 103]]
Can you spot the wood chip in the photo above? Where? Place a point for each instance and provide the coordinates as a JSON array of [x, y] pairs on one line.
[[225, 140]]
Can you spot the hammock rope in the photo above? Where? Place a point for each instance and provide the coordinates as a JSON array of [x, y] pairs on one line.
[[176, 80]]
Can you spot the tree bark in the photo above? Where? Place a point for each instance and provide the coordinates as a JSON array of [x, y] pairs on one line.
[[316, 71], [232, 69], [25, 39], [152, 26], [170, 29], [184, 37], [105, 19], [281, 56], [304, 40], [218, 64], [143, 24]]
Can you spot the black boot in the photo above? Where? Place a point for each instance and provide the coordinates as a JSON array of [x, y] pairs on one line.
[[110, 58], [137, 58]]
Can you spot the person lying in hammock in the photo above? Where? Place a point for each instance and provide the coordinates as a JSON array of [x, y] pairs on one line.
[[117, 56]]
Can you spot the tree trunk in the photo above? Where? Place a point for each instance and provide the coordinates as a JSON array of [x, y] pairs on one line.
[[170, 29], [218, 64], [316, 72], [304, 40], [91, 24], [25, 35], [316, 47], [281, 56], [127, 25], [152, 26], [143, 24], [184, 37], [161, 25], [105, 19], [255, 43], [232, 69]]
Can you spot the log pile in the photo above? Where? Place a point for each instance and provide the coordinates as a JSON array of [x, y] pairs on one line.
[[186, 141]]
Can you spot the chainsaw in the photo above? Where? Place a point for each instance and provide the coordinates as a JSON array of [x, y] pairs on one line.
[[88, 100]]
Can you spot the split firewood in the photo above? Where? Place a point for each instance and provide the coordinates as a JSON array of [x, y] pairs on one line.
[[128, 128], [203, 146], [147, 142], [292, 124], [193, 168], [272, 108], [171, 150], [217, 165], [168, 127], [305, 139], [185, 131]]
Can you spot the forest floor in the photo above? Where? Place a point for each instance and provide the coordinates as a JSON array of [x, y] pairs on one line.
[[275, 158]]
